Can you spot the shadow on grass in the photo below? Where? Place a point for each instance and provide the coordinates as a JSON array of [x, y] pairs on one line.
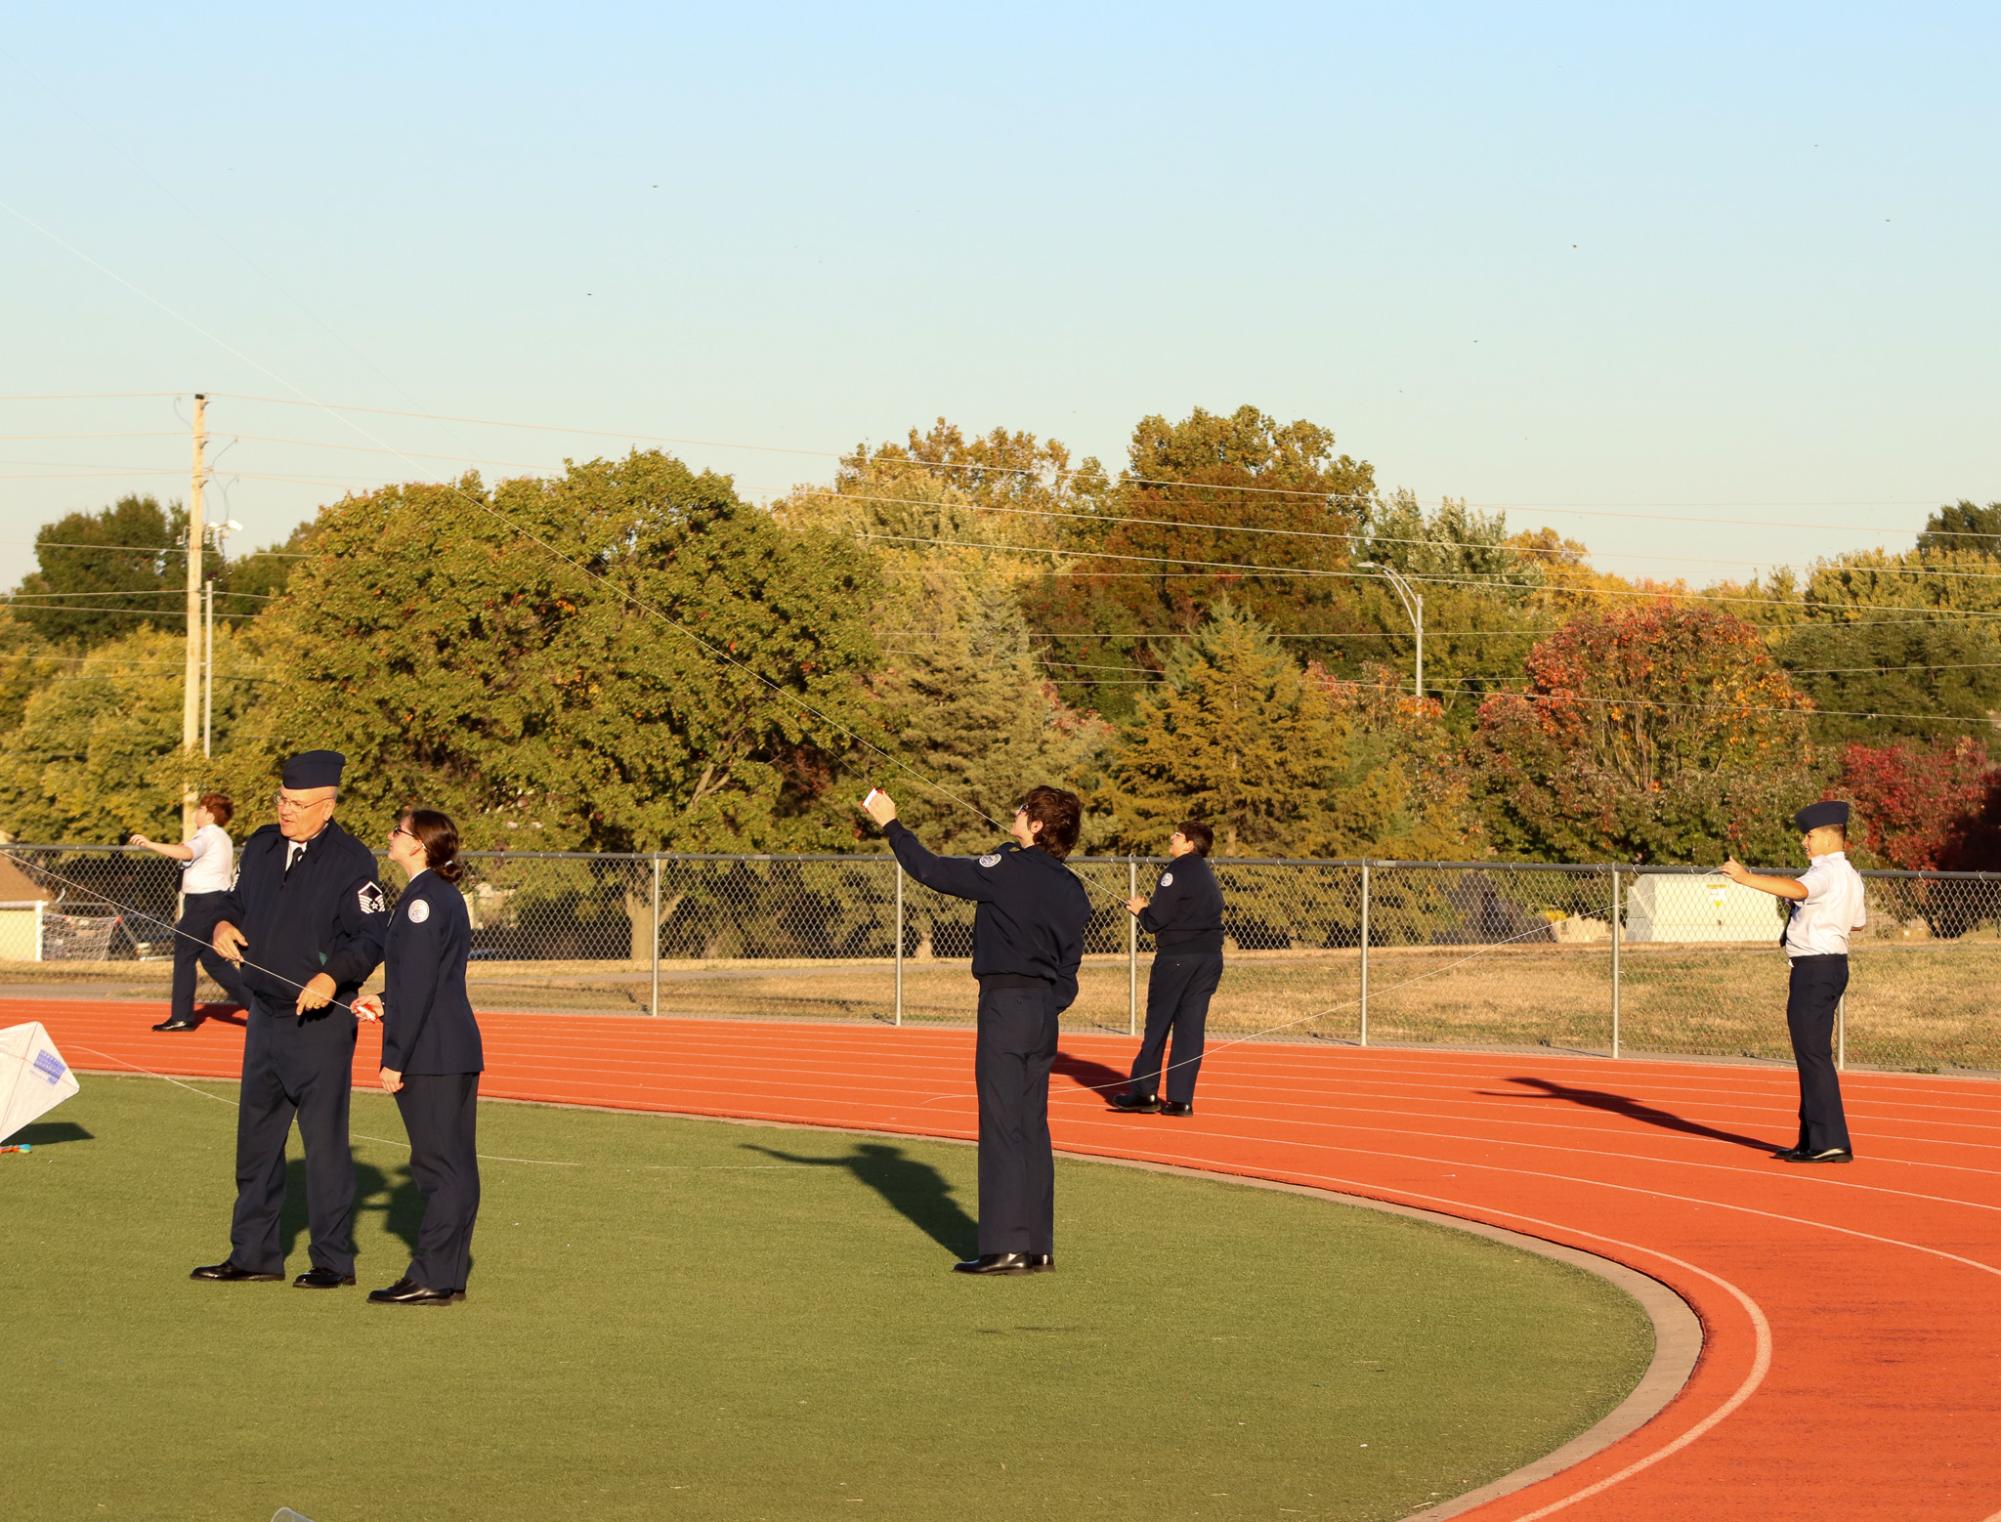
[[46, 1133], [1086, 1074], [1631, 1109], [399, 1202], [917, 1190]]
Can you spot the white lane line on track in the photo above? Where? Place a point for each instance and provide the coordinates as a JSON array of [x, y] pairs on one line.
[[1761, 1361], [1664, 1194], [642, 1081], [1815, 1180], [1633, 1081]]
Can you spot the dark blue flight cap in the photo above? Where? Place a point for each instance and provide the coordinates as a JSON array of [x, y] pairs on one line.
[[1814, 815], [313, 768]]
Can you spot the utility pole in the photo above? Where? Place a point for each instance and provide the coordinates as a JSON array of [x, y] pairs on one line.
[[207, 664], [192, 684]]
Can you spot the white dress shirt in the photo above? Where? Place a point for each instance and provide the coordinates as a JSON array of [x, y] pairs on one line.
[[208, 870], [1833, 906]]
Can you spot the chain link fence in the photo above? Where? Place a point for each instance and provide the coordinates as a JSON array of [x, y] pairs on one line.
[[1491, 954]]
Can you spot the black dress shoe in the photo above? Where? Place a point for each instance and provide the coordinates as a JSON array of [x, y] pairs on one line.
[[176, 1025], [321, 1278], [407, 1292], [229, 1273], [1041, 1262], [994, 1263], [1789, 1154], [1177, 1108], [1825, 1155], [1134, 1104]]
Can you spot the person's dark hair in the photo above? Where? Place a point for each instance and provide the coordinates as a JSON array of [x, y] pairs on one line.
[[439, 837], [220, 809], [1060, 814], [1197, 834]]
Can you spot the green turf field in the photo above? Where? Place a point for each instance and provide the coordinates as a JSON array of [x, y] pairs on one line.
[[717, 1321]]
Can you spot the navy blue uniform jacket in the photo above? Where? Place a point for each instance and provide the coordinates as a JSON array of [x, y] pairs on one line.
[[327, 916], [427, 1023], [1032, 910], [1185, 913]]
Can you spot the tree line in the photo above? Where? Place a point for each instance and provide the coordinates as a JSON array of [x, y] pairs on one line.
[[630, 657]]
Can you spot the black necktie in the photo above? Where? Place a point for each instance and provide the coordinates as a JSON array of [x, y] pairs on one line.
[[296, 851]]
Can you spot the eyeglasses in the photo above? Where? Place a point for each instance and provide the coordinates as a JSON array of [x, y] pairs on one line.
[[399, 830], [297, 805]]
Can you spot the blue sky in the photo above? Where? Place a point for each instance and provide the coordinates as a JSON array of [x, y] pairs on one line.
[[1708, 261]]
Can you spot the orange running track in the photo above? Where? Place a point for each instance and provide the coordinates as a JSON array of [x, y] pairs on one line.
[[1851, 1366]]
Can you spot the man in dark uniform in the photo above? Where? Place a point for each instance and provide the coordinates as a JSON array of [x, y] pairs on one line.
[[1028, 938], [1185, 915], [305, 925]]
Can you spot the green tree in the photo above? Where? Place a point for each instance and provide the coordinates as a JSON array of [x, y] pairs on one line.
[[103, 575], [626, 658], [1481, 605], [1659, 733], [96, 754], [1281, 761], [1896, 679], [1200, 505], [1963, 526]]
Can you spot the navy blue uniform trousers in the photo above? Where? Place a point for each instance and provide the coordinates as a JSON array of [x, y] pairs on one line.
[[304, 1068], [199, 913], [1812, 995], [440, 1111], [1015, 1050], [1178, 990]]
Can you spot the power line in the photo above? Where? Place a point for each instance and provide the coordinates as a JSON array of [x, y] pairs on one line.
[[1497, 548], [31, 597], [1209, 568], [47, 607], [1632, 512], [163, 549], [90, 396]]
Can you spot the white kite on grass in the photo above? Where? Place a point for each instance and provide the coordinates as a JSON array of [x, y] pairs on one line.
[[34, 1079]]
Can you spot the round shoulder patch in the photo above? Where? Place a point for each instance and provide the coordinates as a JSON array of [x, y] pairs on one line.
[[1167, 879], [419, 911], [991, 859]]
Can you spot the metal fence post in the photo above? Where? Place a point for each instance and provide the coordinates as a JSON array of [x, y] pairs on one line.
[[898, 1019], [1132, 950], [1615, 961], [1365, 953], [653, 1003]]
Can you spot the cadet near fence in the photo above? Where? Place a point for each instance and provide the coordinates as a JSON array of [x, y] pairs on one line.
[[1185, 916]]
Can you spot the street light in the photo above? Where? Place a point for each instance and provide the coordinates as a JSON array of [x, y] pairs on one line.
[[1413, 604], [219, 533]]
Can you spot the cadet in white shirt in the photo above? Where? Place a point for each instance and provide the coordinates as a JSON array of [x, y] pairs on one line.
[[1826, 906], [207, 874]]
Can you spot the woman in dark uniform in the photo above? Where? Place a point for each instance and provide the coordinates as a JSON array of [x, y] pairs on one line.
[[431, 1056]]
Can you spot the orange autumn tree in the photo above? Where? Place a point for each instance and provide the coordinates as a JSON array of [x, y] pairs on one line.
[[1660, 733]]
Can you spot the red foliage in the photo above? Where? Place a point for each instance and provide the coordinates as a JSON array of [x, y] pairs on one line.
[[1925, 808]]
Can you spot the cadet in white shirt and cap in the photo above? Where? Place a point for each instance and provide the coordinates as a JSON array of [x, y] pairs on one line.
[[1826, 906]]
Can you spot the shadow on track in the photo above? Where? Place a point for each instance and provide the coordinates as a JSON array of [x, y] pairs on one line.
[[1631, 1109], [1086, 1074]]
